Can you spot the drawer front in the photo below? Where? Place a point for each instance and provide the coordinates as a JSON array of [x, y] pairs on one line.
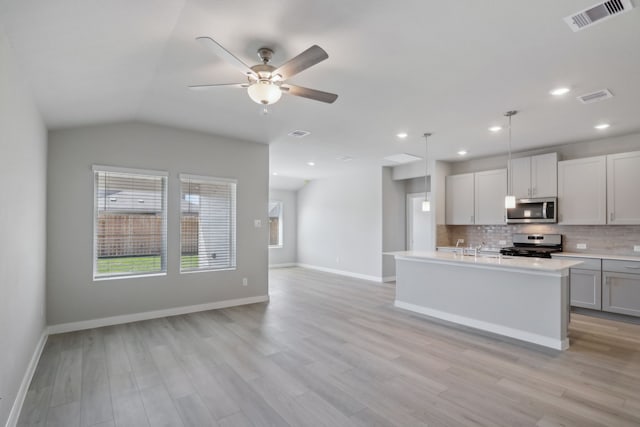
[[587, 263], [631, 267], [621, 293]]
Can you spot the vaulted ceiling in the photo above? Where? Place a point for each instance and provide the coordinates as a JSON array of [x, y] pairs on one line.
[[449, 67]]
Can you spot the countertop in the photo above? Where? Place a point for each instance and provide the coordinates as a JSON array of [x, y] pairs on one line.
[[506, 262], [597, 256]]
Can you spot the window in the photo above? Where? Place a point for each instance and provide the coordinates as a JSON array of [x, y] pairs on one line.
[[130, 223], [275, 224], [207, 223]]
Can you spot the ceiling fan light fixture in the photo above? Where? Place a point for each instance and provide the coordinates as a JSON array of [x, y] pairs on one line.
[[264, 92]]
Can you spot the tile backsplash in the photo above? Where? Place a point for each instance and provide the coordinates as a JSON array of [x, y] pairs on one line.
[[606, 239]]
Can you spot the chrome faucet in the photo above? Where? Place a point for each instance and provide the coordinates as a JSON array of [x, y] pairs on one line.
[[480, 246], [459, 241]]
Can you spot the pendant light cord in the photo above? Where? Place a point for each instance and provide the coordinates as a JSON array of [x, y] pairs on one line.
[[426, 164], [509, 114]]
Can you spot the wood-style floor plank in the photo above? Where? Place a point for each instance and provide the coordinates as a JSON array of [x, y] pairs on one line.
[[331, 350]]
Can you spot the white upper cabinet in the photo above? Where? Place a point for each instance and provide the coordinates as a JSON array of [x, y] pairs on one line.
[[521, 177], [623, 194], [535, 176], [459, 199], [490, 190], [582, 191]]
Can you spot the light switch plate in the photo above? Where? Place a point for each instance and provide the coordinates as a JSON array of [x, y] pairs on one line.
[[581, 246], [636, 248], [257, 223]]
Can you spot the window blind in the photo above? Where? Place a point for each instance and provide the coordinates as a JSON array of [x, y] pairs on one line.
[[207, 223], [130, 227]]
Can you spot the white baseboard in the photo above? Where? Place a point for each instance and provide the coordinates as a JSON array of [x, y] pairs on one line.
[[342, 272], [26, 381], [135, 317], [285, 265], [518, 334], [389, 279]]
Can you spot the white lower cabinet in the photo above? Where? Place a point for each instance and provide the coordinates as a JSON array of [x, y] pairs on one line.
[[586, 283], [621, 287]]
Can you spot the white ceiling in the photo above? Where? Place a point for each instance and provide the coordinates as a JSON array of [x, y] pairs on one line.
[[449, 67]]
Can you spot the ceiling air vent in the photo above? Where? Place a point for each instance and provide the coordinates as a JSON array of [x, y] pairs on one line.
[[598, 13], [299, 133], [597, 96], [402, 158]]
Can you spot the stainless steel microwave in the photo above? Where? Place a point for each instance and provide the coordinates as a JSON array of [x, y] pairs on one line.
[[531, 211]]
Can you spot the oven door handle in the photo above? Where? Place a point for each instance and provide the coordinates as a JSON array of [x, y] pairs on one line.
[[544, 210]]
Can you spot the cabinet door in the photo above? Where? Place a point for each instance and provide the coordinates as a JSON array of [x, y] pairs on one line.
[[544, 175], [582, 191], [459, 199], [621, 293], [586, 288], [521, 177], [623, 176], [490, 189]]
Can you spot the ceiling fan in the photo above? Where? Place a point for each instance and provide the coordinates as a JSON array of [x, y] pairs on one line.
[[266, 83]]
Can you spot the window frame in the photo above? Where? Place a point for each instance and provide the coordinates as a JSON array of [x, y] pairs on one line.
[[280, 244], [95, 169], [207, 179]]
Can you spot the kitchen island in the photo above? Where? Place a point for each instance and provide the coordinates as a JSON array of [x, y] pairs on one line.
[[522, 298]]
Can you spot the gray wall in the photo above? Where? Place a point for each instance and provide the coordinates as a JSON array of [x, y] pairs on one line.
[[287, 254], [72, 294], [340, 223], [394, 201], [23, 154]]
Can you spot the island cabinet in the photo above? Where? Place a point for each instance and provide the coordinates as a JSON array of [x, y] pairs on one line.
[[621, 287], [623, 176], [535, 176], [476, 198], [582, 191]]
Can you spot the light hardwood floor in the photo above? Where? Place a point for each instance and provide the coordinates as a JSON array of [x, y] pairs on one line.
[[331, 351]]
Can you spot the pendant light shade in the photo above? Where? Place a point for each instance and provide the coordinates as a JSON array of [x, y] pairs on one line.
[[510, 199], [426, 204]]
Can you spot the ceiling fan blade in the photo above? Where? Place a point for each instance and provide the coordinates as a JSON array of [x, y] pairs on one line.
[[204, 87], [306, 59], [223, 53], [316, 95]]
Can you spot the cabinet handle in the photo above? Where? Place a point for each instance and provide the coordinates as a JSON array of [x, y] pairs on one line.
[[611, 216], [533, 191], [471, 219]]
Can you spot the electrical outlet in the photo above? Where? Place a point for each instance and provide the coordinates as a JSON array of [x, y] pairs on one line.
[[257, 223], [581, 246], [636, 248], [502, 242], [245, 282]]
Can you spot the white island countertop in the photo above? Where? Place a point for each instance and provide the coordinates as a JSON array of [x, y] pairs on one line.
[[541, 265], [597, 256]]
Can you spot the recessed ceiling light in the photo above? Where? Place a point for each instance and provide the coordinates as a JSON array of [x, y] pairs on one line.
[[275, 174], [311, 163], [402, 135], [299, 133], [462, 152], [602, 126], [560, 91], [495, 128]]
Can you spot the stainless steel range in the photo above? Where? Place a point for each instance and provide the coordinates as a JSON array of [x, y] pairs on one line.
[[534, 245]]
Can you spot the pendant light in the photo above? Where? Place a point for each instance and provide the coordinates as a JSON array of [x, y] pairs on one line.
[[510, 199], [426, 204]]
